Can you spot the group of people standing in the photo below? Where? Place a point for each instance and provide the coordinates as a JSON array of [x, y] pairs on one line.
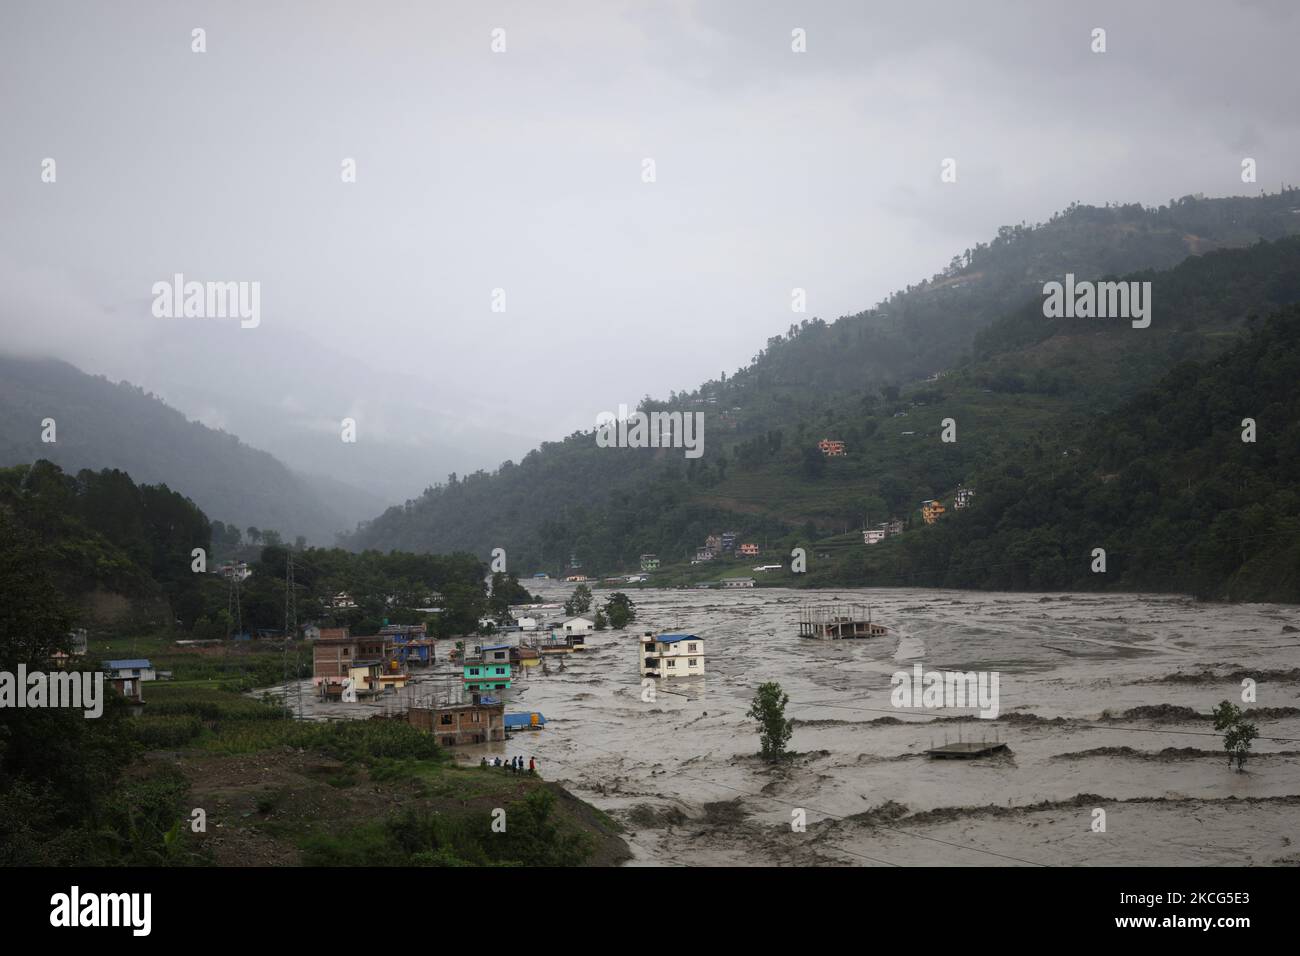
[[514, 764]]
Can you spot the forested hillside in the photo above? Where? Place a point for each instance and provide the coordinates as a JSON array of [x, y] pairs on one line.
[[927, 327], [1165, 485], [995, 365], [117, 554], [99, 424], [120, 557]]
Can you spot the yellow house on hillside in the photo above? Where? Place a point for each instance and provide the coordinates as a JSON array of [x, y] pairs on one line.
[[930, 510]]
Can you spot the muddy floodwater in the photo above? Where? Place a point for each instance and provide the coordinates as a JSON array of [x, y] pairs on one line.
[[1103, 702]]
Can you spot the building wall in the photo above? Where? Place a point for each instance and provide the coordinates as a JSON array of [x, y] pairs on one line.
[[684, 662], [331, 659], [469, 723]]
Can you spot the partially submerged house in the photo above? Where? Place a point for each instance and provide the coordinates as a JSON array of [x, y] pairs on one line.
[[576, 631], [411, 644], [672, 655], [477, 722], [343, 666], [489, 670], [525, 656], [552, 643]]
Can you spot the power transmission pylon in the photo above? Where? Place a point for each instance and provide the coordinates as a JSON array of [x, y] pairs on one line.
[[236, 615], [233, 609], [290, 634]]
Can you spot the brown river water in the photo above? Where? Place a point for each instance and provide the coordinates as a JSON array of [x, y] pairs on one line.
[[681, 772]]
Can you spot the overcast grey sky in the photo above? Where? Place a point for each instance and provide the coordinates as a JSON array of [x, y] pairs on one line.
[[522, 170]]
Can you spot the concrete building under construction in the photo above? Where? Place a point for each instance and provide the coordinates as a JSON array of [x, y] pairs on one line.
[[839, 622]]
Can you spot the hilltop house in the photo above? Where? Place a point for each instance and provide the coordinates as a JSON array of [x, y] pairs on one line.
[[728, 540], [128, 676], [235, 571], [931, 510], [672, 655], [874, 535], [831, 447], [76, 648], [964, 495], [749, 550], [713, 543], [649, 562], [703, 554]]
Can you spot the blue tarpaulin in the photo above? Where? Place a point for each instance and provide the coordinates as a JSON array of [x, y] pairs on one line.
[[524, 721]]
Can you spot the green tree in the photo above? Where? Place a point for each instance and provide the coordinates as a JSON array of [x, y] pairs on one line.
[[506, 590], [1238, 732], [814, 462], [768, 708], [580, 602], [619, 610]]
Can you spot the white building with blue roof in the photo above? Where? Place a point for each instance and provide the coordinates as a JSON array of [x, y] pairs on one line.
[[672, 655], [128, 676]]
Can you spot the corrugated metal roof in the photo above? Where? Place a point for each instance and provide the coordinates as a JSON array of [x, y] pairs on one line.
[[127, 665], [674, 638]]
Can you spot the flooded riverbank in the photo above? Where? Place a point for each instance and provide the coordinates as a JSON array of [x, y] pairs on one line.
[[1103, 707]]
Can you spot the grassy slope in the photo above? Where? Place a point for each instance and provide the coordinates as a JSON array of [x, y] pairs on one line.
[[286, 792]]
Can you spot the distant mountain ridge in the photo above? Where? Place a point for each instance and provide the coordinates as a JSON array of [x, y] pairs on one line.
[[981, 316], [99, 424]]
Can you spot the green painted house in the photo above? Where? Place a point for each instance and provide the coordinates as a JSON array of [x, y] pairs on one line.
[[490, 671]]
